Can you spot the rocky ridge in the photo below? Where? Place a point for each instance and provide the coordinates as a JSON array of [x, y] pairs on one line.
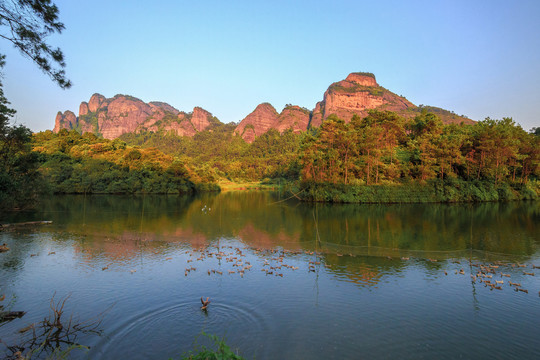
[[355, 95], [265, 117], [112, 117]]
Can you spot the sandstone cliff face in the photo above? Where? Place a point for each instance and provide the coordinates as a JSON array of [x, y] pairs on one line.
[[200, 118], [357, 94], [362, 79], [83, 108], [292, 117], [66, 120], [158, 105], [257, 123], [265, 117], [95, 101], [124, 114], [182, 123], [317, 115]]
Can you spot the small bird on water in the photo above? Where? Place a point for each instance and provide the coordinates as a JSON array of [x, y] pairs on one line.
[[205, 303]]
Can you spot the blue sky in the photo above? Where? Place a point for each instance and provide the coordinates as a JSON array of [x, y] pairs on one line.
[[477, 58]]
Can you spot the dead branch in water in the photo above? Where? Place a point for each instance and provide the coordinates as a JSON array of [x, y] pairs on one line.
[[55, 334]]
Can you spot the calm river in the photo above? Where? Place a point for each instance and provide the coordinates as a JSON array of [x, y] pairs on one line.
[[286, 280]]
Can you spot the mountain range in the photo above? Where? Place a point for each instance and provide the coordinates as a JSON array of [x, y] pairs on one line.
[[357, 94]]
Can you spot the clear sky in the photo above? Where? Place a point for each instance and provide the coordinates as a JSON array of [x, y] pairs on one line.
[[478, 58]]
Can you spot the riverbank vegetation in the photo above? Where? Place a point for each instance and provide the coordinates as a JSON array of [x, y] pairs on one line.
[[217, 350], [74, 163], [381, 158], [163, 163], [384, 158]]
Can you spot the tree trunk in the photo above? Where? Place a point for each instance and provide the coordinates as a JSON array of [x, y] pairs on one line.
[[368, 168], [346, 165]]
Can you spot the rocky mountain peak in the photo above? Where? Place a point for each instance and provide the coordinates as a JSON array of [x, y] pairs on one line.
[[364, 79], [358, 93], [65, 120], [83, 108], [95, 102], [112, 117], [257, 122]]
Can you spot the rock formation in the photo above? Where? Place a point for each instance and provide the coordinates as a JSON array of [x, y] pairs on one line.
[[83, 108], [257, 123], [200, 118], [95, 102], [293, 117], [357, 94], [66, 120], [124, 114], [265, 117]]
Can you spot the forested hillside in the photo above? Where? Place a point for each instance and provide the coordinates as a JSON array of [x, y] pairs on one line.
[[367, 158], [364, 160]]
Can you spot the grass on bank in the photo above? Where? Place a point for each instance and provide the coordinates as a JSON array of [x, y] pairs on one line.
[[226, 185], [218, 350], [433, 191]]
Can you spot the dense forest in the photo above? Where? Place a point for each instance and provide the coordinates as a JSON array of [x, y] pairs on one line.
[[380, 158], [365, 160]]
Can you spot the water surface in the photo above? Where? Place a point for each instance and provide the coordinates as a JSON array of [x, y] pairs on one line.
[[323, 281]]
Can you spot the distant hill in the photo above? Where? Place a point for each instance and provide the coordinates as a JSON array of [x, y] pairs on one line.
[[357, 94]]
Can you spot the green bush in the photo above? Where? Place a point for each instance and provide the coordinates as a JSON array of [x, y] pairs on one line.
[[447, 191], [219, 350]]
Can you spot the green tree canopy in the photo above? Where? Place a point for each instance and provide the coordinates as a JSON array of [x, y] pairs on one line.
[[26, 24]]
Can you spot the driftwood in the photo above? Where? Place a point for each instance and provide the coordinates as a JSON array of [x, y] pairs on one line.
[[28, 223]]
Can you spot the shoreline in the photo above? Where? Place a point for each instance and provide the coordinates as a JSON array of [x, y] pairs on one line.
[[435, 191]]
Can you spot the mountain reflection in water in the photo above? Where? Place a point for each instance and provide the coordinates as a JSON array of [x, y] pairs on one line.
[[286, 279]]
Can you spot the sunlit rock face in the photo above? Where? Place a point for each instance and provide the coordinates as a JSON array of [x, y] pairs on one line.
[[122, 115], [361, 79], [292, 117], [257, 123], [65, 120], [112, 117], [265, 117], [83, 108], [356, 95], [200, 118], [95, 102]]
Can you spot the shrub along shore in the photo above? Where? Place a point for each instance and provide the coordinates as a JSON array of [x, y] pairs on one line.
[[433, 191]]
